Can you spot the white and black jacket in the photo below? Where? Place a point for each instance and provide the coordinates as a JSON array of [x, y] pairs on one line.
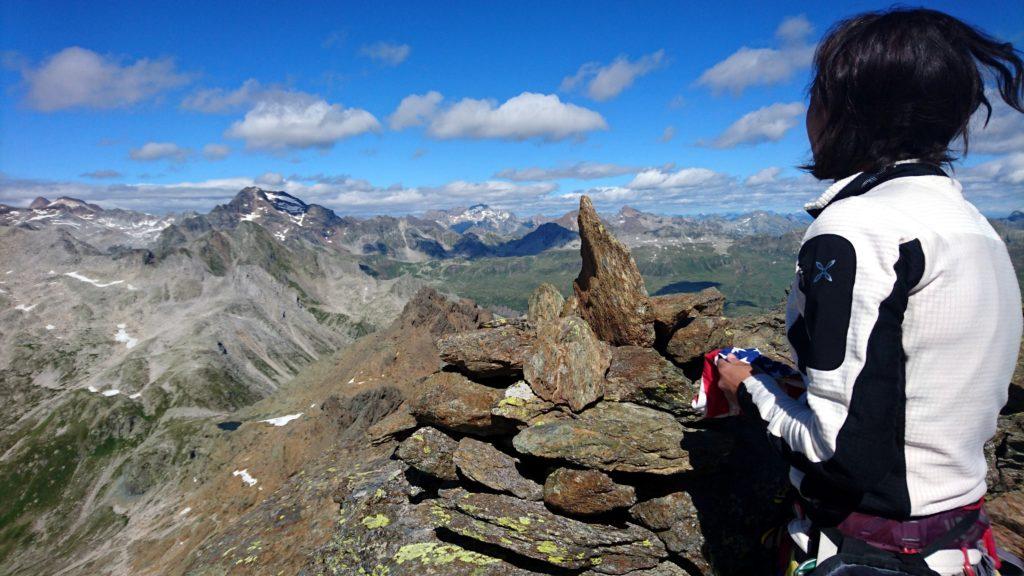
[[905, 320]]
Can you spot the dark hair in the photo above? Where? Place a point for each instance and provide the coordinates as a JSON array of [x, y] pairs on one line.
[[901, 84]]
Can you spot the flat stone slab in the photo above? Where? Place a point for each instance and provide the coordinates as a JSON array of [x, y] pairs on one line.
[[487, 352], [643, 376], [612, 437], [531, 530], [586, 492], [452, 401], [483, 463]]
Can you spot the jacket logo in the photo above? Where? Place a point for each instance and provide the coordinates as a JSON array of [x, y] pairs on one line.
[[823, 271]]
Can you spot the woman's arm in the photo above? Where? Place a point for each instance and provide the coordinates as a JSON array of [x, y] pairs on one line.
[[847, 432]]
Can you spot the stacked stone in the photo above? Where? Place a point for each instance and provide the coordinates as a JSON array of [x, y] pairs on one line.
[[566, 438]]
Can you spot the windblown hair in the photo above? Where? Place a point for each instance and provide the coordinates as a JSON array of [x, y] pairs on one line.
[[901, 84]]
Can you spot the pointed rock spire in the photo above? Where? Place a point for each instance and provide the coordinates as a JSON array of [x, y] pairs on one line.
[[610, 290]]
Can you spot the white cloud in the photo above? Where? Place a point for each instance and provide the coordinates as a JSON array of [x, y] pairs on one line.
[[794, 30], [768, 124], [764, 176], [415, 110], [668, 134], [387, 53], [608, 81], [1008, 169], [80, 78], [218, 100], [1005, 130], [995, 187], [299, 120], [764, 66], [151, 151], [216, 151], [578, 171], [528, 115], [655, 178]]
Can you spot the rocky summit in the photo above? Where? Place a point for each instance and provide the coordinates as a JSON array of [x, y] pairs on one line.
[[563, 442], [453, 442]]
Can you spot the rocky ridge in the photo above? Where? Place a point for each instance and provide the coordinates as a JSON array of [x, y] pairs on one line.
[[550, 444], [544, 445]]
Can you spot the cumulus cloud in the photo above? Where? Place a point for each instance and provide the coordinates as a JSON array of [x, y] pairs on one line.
[[1008, 169], [151, 151], [1004, 132], [386, 53], [80, 78], [218, 100], [764, 66], [528, 115], [768, 124], [764, 176], [656, 178], [577, 171], [608, 81], [995, 187], [291, 120], [101, 174], [216, 151], [415, 110]]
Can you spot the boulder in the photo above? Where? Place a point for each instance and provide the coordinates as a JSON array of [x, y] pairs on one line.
[[430, 451], [697, 337], [390, 426], [671, 310], [586, 492], [485, 464], [487, 352], [531, 530], [610, 290], [613, 437], [642, 376], [521, 405], [450, 400], [766, 332], [674, 519], [568, 363], [546, 304]]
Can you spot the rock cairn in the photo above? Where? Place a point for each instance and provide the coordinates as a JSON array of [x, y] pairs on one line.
[[564, 441]]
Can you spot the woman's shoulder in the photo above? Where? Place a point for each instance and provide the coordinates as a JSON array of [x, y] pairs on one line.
[[859, 216]]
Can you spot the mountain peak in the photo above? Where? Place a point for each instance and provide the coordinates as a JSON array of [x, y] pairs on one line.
[[249, 199], [39, 203]]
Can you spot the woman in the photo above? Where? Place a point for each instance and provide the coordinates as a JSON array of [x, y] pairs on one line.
[[905, 316]]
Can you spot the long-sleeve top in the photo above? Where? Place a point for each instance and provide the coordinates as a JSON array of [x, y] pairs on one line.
[[905, 320]]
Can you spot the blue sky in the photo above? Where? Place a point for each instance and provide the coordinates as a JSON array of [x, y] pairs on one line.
[[397, 107]]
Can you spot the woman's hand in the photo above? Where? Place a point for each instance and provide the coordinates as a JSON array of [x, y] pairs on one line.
[[731, 373]]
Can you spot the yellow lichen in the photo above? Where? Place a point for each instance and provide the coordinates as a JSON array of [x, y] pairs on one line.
[[434, 554], [376, 521]]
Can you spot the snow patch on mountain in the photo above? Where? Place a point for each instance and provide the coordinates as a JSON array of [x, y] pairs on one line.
[[95, 283], [123, 336], [246, 477], [282, 420]]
